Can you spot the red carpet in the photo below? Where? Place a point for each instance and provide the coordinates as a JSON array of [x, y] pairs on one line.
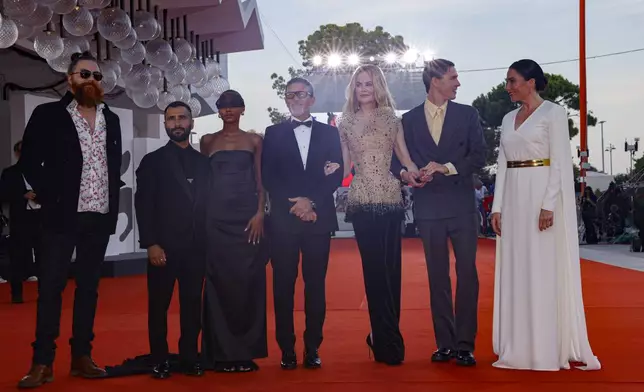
[[614, 299]]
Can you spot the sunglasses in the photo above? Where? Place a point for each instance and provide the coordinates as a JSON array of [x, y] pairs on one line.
[[86, 74]]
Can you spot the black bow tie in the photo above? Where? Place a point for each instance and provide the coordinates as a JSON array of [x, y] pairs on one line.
[[305, 123]]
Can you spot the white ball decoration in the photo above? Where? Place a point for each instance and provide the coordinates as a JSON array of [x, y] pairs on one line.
[[182, 49], [138, 79], [195, 71], [62, 62], [134, 55], [19, 8], [114, 24], [195, 106], [128, 42], [63, 7], [8, 33], [79, 22], [145, 25], [165, 99], [48, 45], [158, 52], [40, 17], [147, 98]]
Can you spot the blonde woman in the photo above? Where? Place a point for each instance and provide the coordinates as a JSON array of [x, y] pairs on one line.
[[370, 132]]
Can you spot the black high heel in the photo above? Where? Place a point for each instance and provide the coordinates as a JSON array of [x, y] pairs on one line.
[[370, 345]]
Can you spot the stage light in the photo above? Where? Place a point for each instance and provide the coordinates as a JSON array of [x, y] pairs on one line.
[[411, 56], [353, 59], [334, 60], [317, 60], [391, 58], [372, 58]]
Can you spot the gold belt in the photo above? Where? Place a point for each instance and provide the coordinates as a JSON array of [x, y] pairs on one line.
[[531, 163]]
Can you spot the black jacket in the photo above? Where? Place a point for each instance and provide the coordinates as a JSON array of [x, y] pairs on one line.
[[52, 161]]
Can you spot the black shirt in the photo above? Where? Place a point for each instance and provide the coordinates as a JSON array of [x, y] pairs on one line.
[[188, 157]]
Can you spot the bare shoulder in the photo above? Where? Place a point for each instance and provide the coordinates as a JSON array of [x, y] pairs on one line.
[[255, 138]]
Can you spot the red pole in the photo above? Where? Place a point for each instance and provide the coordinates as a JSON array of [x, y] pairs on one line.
[[583, 111]]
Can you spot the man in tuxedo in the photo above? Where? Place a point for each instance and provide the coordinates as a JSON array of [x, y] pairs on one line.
[[24, 212], [172, 184], [71, 156], [445, 139], [301, 169]]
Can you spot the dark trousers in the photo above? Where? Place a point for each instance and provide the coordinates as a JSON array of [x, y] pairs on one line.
[[285, 258], [453, 329], [90, 240], [188, 270], [379, 242], [26, 250]]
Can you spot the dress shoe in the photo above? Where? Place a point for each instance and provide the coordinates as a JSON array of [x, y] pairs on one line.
[[161, 370], [443, 355], [289, 360], [192, 369], [85, 367], [312, 359], [465, 358], [37, 376]]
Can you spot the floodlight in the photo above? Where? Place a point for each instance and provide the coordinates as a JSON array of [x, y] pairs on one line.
[[317, 60], [391, 58], [353, 59], [334, 60]]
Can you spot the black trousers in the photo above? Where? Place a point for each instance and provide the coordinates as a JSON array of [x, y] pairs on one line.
[[285, 259], [188, 270], [90, 240], [453, 328], [26, 250], [379, 241]]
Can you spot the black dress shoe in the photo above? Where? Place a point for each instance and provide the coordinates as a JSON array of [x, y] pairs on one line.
[[443, 355], [312, 359], [192, 369], [161, 370], [289, 360], [465, 358]]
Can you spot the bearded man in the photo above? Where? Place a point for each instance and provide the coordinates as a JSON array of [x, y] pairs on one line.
[[71, 156], [170, 203]]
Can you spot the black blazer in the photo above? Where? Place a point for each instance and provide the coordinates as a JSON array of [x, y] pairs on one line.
[[170, 211], [284, 176], [461, 143], [51, 160], [12, 192]]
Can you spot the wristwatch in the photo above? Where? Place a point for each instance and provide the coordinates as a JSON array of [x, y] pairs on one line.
[[312, 204]]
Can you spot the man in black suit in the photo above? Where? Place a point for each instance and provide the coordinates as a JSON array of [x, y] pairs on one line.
[[301, 169], [71, 156], [172, 184], [24, 212], [445, 139]]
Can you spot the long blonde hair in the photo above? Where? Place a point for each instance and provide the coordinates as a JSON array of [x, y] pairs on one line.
[[381, 90]]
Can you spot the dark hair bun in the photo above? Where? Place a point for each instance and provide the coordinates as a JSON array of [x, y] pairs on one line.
[[530, 69]]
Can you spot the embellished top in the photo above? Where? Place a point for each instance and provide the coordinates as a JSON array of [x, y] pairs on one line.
[[371, 141]]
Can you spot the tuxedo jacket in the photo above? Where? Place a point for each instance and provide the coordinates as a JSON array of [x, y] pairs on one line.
[[284, 176], [170, 207], [52, 161], [461, 143]]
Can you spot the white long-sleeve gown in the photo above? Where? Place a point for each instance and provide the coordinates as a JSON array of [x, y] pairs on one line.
[[539, 321]]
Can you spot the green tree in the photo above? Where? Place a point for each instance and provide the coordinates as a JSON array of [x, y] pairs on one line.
[[494, 105], [331, 38]]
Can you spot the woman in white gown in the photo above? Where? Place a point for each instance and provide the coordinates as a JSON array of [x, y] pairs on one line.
[[539, 321]]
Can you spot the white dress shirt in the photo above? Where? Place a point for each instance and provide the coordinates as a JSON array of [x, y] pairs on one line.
[[31, 205], [303, 137]]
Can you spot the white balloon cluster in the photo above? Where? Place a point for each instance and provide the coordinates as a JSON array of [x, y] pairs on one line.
[[140, 58]]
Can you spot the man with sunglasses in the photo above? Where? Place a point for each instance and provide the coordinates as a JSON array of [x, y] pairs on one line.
[[71, 156], [301, 169]]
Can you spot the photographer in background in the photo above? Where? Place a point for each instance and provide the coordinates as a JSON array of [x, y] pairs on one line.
[[24, 227]]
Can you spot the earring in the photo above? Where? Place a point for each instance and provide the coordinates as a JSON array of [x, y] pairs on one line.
[[243, 113]]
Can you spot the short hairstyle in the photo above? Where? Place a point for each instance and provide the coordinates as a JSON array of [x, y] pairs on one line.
[[303, 81], [435, 69], [78, 57], [529, 69], [177, 104], [17, 147]]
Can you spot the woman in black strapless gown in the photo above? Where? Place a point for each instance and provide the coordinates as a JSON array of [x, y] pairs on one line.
[[234, 306]]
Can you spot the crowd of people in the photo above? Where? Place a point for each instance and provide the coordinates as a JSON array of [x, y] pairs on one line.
[[204, 222]]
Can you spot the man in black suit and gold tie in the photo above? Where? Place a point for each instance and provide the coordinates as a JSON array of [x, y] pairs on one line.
[[445, 139], [170, 208], [301, 169]]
